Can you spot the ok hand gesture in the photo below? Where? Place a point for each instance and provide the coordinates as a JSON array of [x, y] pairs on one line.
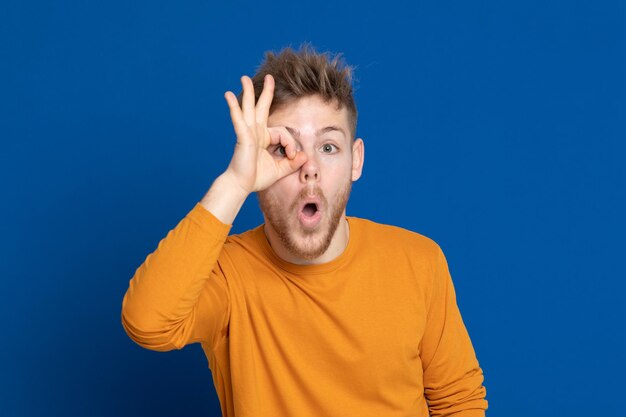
[[253, 167]]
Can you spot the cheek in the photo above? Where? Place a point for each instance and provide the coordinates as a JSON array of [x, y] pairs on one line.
[[338, 170], [282, 190]]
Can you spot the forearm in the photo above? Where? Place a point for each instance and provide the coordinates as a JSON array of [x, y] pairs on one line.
[[157, 311], [225, 198]]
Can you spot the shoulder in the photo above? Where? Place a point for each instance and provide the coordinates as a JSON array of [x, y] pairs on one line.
[[248, 240], [247, 246], [392, 238]]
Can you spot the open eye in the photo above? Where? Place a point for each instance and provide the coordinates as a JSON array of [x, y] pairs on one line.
[[280, 150], [329, 148]]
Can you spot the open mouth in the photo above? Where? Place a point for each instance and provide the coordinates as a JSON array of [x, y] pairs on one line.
[[309, 209], [310, 215]]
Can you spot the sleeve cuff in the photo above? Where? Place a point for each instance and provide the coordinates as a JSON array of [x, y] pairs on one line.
[[208, 222]]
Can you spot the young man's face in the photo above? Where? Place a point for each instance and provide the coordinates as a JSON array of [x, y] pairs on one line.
[[304, 209]]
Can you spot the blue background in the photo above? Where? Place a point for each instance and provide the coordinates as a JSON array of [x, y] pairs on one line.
[[496, 128]]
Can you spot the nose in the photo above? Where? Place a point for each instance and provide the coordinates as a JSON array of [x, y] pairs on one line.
[[310, 171]]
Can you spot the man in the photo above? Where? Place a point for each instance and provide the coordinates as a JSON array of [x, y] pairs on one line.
[[312, 314]]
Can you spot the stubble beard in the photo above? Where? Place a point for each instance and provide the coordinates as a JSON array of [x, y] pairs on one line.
[[302, 243]]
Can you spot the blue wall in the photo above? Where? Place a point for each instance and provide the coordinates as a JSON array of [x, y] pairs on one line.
[[496, 128]]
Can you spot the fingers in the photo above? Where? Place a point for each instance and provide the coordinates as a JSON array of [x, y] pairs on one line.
[[265, 100], [251, 115], [235, 114], [247, 101], [287, 166], [295, 158], [280, 135], [261, 111]]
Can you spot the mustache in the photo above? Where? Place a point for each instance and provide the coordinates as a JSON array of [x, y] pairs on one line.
[[309, 192]]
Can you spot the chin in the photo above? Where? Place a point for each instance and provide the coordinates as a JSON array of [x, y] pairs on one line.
[[303, 243], [308, 245]]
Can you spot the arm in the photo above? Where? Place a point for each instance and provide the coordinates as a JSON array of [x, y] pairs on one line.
[[179, 295], [452, 376], [252, 167]]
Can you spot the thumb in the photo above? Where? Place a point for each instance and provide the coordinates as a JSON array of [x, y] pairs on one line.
[[288, 166]]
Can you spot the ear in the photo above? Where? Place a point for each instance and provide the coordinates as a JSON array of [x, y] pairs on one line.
[[358, 157]]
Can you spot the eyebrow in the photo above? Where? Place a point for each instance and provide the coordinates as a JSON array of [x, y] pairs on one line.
[[296, 133]]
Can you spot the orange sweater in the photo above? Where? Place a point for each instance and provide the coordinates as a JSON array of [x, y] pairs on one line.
[[375, 332]]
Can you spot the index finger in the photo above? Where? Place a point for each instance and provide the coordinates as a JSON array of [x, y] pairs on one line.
[[280, 135]]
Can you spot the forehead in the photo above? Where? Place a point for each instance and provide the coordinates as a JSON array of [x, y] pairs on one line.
[[310, 111]]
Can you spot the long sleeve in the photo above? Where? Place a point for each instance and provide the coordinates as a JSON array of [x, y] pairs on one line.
[[178, 295], [452, 376]]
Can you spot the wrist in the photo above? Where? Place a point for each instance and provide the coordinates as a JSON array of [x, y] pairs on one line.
[[225, 198], [229, 182]]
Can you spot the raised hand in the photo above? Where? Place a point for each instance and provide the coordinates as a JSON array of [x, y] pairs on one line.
[[253, 167]]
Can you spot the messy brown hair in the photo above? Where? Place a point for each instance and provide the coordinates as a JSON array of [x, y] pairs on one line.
[[305, 72]]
